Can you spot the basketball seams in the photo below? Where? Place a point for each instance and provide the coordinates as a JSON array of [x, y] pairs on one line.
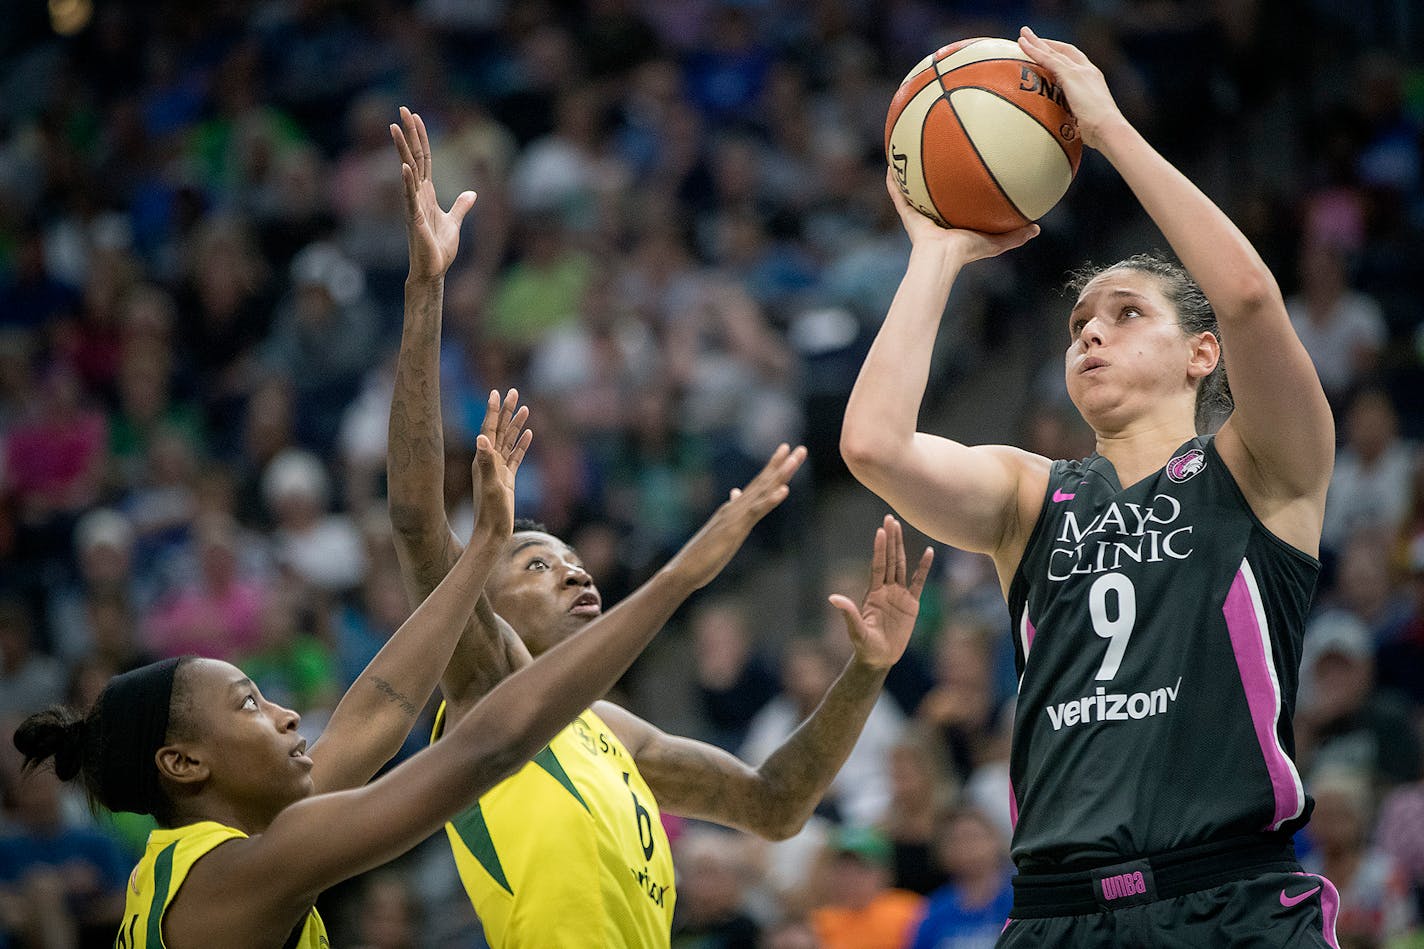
[[980, 155], [976, 62], [1052, 133]]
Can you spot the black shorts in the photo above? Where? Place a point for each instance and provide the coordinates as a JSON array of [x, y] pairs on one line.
[[1248, 895]]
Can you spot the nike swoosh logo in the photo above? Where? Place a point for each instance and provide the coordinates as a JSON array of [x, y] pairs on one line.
[[1059, 495], [1292, 900]]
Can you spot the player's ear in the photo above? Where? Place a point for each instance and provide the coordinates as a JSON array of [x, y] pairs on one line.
[[182, 763], [1206, 352]]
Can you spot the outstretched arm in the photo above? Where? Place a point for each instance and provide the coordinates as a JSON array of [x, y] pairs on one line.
[[695, 779], [1279, 441], [972, 497], [415, 460], [378, 711], [311, 845]]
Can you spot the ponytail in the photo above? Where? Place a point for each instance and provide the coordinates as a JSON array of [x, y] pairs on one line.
[[111, 748], [69, 739]]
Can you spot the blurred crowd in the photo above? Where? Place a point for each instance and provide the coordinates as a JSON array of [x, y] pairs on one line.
[[681, 249]]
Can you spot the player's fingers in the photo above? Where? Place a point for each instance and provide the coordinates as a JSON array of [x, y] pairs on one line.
[[510, 433], [769, 500], [917, 582], [1056, 48], [402, 146], [462, 206], [791, 463], [767, 475], [424, 142], [412, 196], [507, 409], [877, 561], [490, 425], [897, 197], [484, 457], [412, 138], [1016, 238], [895, 552], [516, 457], [847, 607]]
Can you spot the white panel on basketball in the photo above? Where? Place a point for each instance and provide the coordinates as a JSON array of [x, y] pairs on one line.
[[978, 52], [922, 64], [905, 140], [1023, 156]]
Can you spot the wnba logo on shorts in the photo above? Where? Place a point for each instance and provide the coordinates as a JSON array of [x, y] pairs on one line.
[[1186, 466], [1124, 884]]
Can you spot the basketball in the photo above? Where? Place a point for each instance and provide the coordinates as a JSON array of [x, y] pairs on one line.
[[979, 137]]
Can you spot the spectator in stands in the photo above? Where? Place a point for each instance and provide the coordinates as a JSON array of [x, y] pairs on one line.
[[1340, 719], [1342, 329], [322, 548], [970, 910], [1375, 903], [733, 681], [713, 873], [861, 907], [29, 679], [1374, 473]]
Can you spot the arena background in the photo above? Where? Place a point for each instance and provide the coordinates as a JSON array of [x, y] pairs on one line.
[[681, 249]]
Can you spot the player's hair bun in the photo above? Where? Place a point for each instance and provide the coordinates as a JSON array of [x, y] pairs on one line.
[[55, 733]]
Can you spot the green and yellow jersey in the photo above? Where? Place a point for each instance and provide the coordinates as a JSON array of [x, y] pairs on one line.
[[166, 861], [570, 851]]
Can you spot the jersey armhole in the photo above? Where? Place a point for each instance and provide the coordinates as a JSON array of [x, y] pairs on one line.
[[1289, 548], [1055, 469]]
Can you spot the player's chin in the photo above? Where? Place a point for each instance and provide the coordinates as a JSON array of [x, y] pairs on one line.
[[577, 620]]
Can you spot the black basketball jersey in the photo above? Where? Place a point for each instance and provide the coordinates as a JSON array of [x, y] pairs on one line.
[[1158, 635]]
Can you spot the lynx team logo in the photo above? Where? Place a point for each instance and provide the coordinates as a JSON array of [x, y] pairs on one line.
[[1187, 466]]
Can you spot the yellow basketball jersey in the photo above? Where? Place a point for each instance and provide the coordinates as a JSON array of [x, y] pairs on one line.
[[166, 861], [570, 851]]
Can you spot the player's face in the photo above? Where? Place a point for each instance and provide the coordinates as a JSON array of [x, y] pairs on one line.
[[541, 589], [1126, 350], [254, 755]]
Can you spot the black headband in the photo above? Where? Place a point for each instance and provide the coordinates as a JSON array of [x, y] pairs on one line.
[[134, 725]]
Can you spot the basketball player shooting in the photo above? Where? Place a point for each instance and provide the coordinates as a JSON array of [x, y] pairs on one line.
[[1158, 587]]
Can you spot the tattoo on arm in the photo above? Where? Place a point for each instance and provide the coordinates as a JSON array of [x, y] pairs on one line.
[[396, 696]]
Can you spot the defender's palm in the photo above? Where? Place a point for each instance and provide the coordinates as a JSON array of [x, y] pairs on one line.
[[434, 235], [880, 628], [499, 450]]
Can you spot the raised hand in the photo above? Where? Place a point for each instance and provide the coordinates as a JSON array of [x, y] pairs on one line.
[[499, 450], [1083, 84], [433, 234], [880, 628], [968, 245], [704, 556]]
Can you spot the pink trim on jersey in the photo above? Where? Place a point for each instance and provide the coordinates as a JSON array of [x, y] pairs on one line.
[[1026, 634], [1251, 642], [1007, 923], [1329, 907]]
